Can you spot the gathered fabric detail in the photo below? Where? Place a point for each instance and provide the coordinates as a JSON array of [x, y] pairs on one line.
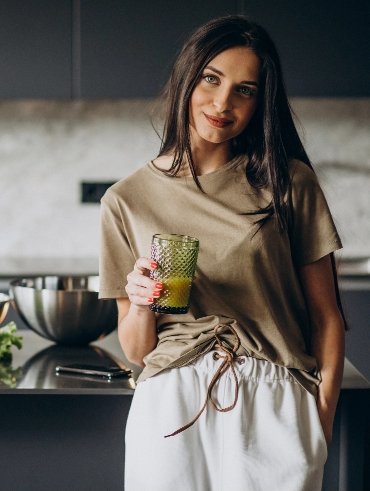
[[229, 356]]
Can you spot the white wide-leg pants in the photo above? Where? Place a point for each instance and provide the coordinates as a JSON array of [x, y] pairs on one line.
[[271, 441]]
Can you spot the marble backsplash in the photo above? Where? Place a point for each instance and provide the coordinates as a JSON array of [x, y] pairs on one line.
[[48, 148]]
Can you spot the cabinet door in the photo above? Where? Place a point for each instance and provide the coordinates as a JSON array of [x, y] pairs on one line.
[[356, 307], [127, 47], [35, 53], [324, 45]]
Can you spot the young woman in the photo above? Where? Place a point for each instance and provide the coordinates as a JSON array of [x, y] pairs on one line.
[[240, 393]]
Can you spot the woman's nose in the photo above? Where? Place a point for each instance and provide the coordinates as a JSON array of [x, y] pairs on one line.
[[222, 100]]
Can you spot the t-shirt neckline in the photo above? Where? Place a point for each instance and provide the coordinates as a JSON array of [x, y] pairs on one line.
[[236, 160]]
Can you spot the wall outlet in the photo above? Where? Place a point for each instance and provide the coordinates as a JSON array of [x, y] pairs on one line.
[[92, 192]]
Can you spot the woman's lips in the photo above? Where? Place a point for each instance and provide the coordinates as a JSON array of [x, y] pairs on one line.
[[217, 122]]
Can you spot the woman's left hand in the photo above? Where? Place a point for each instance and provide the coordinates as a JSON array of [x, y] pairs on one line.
[[326, 416]]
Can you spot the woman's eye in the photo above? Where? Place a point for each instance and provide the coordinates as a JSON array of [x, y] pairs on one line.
[[211, 79], [247, 91]]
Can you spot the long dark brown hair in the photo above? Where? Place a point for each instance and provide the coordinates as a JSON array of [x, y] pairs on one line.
[[270, 139]]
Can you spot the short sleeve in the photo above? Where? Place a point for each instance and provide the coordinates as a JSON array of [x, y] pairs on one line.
[[116, 257], [313, 233]]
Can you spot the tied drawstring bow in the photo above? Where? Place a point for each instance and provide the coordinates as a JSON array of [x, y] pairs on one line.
[[228, 355]]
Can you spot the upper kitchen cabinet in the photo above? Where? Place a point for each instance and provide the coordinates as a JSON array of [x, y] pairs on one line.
[[63, 49], [128, 47], [35, 49], [324, 45]]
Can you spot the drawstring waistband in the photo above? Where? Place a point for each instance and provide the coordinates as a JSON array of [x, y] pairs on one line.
[[228, 355]]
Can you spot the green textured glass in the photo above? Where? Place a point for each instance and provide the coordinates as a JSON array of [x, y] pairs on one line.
[[176, 256]]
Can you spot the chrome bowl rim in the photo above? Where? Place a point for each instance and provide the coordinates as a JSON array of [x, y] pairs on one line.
[[19, 283]]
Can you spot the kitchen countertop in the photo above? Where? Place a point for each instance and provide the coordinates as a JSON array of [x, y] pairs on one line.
[[34, 367], [355, 267], [35, 364], [34, 266]]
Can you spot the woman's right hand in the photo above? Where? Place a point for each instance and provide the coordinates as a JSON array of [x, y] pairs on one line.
[[140, 288]]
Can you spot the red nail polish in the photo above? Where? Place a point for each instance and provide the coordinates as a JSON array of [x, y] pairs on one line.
[[150, 300], [156, 294], [153, 265], [159, 285]]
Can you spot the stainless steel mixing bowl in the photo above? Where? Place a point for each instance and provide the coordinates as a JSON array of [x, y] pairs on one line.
[[64, 309]]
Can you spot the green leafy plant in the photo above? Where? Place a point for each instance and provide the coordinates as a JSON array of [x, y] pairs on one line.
[[7, 340], [9, 375]]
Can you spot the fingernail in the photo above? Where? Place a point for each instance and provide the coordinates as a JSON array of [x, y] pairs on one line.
[[156, 294], [153, 264], [150, 300], [159, 285]]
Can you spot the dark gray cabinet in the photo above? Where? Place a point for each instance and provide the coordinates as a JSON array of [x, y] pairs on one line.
[[62, 49], [347, 466], [63, 443], [355, 297], [128, 47], [324, 46], [76, 443], [35, 49]]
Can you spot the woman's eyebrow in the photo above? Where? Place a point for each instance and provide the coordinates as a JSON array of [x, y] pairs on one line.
[[249, 82]]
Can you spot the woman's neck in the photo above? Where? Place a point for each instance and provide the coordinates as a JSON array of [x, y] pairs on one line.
[[209, 159]]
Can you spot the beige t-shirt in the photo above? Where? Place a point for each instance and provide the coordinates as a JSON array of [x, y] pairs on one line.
[[246, 279]]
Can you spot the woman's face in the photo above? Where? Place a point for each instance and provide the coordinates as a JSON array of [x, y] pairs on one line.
[[225, 98]]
